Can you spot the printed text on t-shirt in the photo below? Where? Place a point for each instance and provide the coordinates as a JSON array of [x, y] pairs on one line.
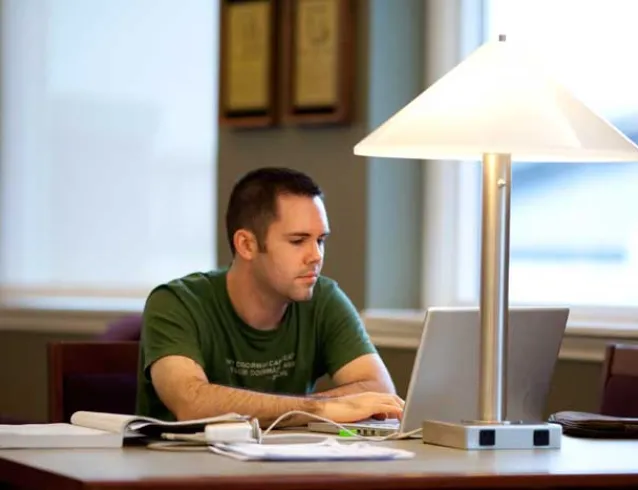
[[273, 369]]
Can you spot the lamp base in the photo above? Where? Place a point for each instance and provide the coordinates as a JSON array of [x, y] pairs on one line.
[[486, 435]]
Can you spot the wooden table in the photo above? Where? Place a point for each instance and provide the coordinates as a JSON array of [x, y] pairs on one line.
[[579, 463]]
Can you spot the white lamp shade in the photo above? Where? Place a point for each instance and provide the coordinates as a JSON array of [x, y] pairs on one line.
[[498, 100]]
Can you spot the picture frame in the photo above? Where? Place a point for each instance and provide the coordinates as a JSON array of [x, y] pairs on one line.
[[248, 63], [318, 47]]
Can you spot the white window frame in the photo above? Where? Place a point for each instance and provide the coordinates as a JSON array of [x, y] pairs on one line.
[[450, 228]]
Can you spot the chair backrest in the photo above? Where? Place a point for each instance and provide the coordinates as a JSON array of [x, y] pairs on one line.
[[125, 328], [97, 376], [619, 393]]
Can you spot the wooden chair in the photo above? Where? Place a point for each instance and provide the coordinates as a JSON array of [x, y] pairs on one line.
[[92, 375], [619, 391]]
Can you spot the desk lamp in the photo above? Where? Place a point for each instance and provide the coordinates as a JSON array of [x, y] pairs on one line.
[[497, 106]]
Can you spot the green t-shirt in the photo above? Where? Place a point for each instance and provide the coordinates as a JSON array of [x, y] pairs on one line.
[[193, 317]]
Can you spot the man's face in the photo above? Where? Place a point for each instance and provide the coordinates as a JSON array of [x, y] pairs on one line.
[[294, 248]]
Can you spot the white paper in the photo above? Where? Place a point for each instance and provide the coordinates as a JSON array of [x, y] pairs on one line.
[[47, 430], [328, 450], [55, 436]]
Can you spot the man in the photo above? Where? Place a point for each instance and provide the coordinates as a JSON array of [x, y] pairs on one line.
[[253, 339]]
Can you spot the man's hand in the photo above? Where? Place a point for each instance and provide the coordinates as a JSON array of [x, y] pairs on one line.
[[360, 406]]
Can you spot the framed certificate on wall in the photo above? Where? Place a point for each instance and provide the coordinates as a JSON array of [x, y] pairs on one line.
[[317, 61], [248, 64]]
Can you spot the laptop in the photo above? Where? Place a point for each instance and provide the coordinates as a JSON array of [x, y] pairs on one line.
[[445, 376]]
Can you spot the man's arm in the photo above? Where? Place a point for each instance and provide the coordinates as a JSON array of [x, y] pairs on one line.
[[348, 354], [183, 387], [366, 373]]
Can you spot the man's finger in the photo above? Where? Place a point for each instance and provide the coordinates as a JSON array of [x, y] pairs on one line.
[[389, 409]]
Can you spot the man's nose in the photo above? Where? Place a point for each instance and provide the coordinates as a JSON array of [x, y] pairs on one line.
[[316, 253]]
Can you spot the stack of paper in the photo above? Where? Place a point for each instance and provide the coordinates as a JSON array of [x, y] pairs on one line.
[[585, 424], [100, 430], [138, 425], [328, 450], [56, 436]]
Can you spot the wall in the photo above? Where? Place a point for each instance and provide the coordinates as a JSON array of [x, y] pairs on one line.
[[23, 377]]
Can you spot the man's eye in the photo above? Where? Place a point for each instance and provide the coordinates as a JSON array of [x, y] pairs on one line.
[[296, 242]]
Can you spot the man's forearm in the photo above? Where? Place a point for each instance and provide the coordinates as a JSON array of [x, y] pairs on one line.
[[208, 400], [356, 387]]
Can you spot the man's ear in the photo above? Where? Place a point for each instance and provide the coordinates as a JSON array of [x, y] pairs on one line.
[[245, 244]]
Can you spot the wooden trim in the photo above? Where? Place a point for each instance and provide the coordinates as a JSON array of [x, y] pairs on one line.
[[383, 482], [56, 393], [342, 111], [29, 477], [605, 373]]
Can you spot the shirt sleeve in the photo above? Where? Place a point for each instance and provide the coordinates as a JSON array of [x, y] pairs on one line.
[[344, 337], [168, 329]]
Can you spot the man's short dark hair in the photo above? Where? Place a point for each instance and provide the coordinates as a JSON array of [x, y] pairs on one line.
[[253, 201]]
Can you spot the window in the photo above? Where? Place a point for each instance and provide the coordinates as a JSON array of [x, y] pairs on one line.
[[108, 144], [574, 229]]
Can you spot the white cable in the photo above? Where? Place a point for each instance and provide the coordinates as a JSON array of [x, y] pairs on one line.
[[196, 437], [394, 436], [191, 442], [178, 445]]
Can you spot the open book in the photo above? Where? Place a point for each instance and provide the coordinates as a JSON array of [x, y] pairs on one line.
[[100, 430], [139, 425]]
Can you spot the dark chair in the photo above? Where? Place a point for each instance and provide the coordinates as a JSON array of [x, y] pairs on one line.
[[126, 328], [619, 391], [96, 375]]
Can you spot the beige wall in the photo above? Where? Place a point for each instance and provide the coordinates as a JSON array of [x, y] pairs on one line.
[[23, 373]]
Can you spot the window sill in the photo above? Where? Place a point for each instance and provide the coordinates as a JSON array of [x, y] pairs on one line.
[[88, 316], [400, 329], [584, 340]]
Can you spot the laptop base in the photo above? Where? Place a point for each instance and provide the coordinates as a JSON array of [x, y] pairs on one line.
[[360, 428], [492, 436]]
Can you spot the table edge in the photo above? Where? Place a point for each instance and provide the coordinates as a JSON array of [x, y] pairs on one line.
[[17, 474], [339, 481]]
